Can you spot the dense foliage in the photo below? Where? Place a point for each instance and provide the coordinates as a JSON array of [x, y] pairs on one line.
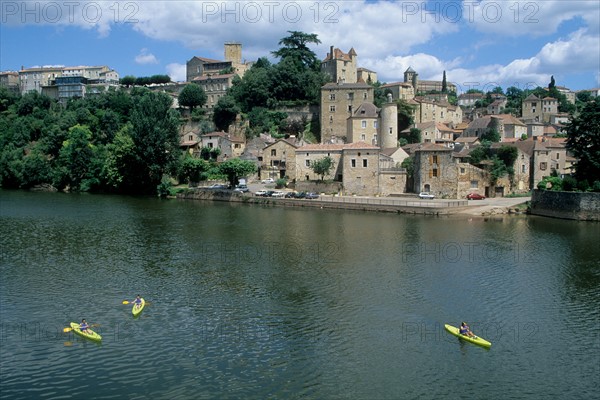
[[583, 140], [113, 142]]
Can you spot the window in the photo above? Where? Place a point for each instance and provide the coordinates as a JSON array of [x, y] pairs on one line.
[[363, 137], [353, 163], [351, 96], [375, 124], [332, 96], [435, 173], [307, 163], [190, 138], [363, 124], [273, 152], [350, 109], [331, 108], [365, 163], [365, 95], [558, 156], [435, 159], [474, 184], [523, 169], [462, 170], [543, 166]]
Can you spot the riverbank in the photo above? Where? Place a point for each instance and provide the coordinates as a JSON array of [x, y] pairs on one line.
[[363, 203]]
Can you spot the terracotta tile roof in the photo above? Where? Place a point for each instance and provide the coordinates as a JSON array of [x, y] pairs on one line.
[[432, 147], [337, 147]]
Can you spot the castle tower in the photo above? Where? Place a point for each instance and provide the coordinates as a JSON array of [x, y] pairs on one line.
[[233, 52], [388, 134]]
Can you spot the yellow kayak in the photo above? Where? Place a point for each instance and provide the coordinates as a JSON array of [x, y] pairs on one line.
[[475, 340], [90, 335], [136, 310]]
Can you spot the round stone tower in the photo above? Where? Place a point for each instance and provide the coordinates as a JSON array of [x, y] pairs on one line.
[[388, 134]]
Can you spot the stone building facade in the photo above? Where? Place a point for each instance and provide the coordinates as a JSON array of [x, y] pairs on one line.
[[279, 160], [341, 67], [338, 103], [539, 110]]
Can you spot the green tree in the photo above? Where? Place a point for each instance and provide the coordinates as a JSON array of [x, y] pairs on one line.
[[193, 170], [128, 80], [444, 84], [155, 134], [414, 136], [75, 158], [583, 140], [225, 112], [295, 48], [322, 166], [235, 168], [192, 96]]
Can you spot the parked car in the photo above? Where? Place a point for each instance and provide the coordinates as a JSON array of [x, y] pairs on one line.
[[261, 193], [268, 180], [311, 195], [475, 196], [218, 186], [278, 193], [241, 188], [426, 195], [291, 195], [300, 195]]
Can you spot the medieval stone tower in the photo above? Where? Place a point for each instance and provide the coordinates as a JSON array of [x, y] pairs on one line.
[[388, 134], [233, 52]]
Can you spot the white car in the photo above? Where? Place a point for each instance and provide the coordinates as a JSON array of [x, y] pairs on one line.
[[426, 195], [268, 180], [278, 194]]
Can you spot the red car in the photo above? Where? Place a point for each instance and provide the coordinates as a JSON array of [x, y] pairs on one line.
[[475, 196]]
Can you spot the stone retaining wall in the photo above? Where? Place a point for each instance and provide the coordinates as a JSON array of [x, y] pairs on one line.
[[566, 205]]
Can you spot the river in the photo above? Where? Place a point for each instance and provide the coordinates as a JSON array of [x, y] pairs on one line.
[[260, 302]]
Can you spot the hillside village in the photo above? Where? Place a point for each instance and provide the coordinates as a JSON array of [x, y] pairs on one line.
[[363, 140]]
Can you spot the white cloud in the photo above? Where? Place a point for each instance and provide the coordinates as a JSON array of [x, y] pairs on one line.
[[177, 72], [145, 58]]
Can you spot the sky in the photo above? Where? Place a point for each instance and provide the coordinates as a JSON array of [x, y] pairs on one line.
[[480, 44]]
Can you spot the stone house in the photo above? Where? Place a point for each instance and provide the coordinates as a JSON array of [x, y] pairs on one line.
[[189, 142], [496, 107], [215, 87], [436, 171], [229, 145], [201, 66], [469, 99], [340, 67], [366, 75], [362, 126], [539, 110], [400, 90], [339, 101], [279, 160], [506, 125], [434, 132], [356, 165], [427, 110], [424, 86], [10, 80]]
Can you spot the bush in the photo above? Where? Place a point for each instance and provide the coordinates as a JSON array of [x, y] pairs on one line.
[[569, 184], [280, 183]]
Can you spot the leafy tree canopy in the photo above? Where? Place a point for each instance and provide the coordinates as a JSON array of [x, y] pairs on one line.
[[583, 140]]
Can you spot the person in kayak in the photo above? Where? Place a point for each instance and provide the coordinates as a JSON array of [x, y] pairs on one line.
[[84, 327], [137, 302], [464, 330]]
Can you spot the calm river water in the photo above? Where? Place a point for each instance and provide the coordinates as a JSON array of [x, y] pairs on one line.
[[252, 302]]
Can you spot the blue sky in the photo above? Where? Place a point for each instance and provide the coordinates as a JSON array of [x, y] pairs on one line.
[[480, 44]]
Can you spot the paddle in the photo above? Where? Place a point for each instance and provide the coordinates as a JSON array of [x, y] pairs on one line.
[[127, 302], [70, 329]]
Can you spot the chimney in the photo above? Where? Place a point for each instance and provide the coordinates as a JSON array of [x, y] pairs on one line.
[[331, 52]]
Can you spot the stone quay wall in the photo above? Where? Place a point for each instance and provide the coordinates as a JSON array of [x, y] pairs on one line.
[[566, 205]]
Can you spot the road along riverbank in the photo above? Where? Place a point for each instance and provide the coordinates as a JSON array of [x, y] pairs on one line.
[[363, 203]]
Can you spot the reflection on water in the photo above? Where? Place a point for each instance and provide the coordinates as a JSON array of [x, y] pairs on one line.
[[263, 302]]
